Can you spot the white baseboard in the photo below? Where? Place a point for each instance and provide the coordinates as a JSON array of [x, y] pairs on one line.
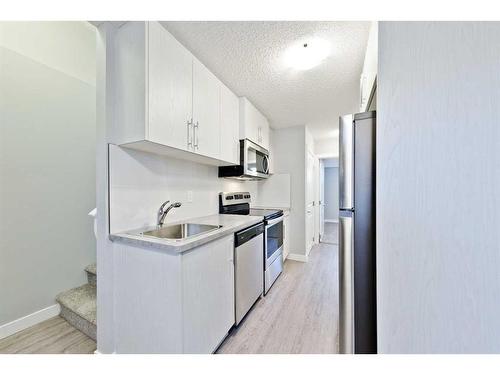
[[331, 221], [297, 257], [29, 320]]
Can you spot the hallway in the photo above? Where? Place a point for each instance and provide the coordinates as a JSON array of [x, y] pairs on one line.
[[331, 234], [300, 313]]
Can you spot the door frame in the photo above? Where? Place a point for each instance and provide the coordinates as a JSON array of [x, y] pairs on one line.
[[321, 202]]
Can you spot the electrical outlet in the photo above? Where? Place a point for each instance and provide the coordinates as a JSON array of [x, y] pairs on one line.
[[190, 196]]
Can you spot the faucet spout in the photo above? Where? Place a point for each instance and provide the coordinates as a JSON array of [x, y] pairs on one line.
[[162, 212]]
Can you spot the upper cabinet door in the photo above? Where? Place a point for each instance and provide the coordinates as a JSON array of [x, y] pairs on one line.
[[170, 82], [206, 111], [264, 133], [253, 125], [229, 125]]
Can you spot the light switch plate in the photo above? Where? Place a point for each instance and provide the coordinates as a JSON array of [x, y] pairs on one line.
[[190, 196]]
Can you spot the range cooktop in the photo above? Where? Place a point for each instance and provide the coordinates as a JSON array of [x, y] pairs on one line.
[[239, 204]]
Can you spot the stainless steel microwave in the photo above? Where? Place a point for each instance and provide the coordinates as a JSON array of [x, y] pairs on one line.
[[254, 163]]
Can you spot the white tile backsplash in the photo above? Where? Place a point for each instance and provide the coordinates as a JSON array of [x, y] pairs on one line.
[[140, 182]]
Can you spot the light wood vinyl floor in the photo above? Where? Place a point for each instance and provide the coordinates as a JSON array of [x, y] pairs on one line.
[[298, 315], [53, 336], [331, 233]]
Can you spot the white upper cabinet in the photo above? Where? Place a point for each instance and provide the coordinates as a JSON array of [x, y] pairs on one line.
[[206, 111], [229, 125], [253, 125], [170, 89], [166, 101], [264, 133]]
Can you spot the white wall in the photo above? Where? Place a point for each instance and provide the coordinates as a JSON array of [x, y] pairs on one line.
[[331, 193], [438, 178], [47, 162], [289, 158], [327, 148], [370, 64]]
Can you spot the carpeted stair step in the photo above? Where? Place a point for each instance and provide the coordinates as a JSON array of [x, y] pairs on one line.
[[92, 273], [78, 307]]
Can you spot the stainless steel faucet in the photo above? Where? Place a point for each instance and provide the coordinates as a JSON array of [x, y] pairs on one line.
[[162, 212]]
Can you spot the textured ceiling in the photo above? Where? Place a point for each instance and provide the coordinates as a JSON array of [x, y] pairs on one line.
[[248, 58]]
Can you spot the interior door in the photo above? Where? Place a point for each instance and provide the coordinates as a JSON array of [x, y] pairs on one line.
[[310, 184], [321, 202], [316, 207], [206, 111], [170, 89]]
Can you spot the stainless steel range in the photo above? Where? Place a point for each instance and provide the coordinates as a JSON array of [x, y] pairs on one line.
[[239, 204]]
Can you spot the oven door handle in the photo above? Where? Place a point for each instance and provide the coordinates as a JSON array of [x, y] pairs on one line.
[[274, 221]]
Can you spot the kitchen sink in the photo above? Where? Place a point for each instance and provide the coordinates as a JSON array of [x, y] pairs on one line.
[[180, 231]]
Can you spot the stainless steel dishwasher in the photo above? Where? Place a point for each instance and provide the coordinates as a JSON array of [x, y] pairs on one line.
[[248, 268]]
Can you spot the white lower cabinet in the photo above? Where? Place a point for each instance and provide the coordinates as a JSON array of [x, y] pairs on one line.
[[173, 303], [208, 295]]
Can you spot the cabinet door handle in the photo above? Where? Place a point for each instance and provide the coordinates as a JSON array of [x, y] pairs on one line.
[[196, 144], [189, 138]]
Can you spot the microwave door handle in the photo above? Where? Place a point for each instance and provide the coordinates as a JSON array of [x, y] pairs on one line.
[[265, 164]]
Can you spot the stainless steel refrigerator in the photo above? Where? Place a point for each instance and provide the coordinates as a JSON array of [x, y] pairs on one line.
[[357, 315]]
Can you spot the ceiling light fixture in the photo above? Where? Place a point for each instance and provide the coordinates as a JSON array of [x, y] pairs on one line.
[[306, 55]]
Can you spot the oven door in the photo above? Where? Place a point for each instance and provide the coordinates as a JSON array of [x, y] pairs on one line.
[[274, 240], [254, 159]]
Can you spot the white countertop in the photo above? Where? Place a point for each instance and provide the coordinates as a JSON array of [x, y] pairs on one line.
[[229, 223]]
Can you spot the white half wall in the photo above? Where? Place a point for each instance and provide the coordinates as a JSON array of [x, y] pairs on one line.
[[438, 179], [289, 147], [47, 163]]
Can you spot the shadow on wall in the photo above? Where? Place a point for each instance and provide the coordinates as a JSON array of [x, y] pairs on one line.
[[47, 149]]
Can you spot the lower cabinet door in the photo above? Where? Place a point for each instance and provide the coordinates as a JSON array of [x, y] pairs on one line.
[[208, 295]]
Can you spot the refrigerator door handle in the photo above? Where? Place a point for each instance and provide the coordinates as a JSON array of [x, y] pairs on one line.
[[346, 162], [346, 282]]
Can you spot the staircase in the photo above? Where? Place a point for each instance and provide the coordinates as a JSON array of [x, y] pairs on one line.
[[78, 305]]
